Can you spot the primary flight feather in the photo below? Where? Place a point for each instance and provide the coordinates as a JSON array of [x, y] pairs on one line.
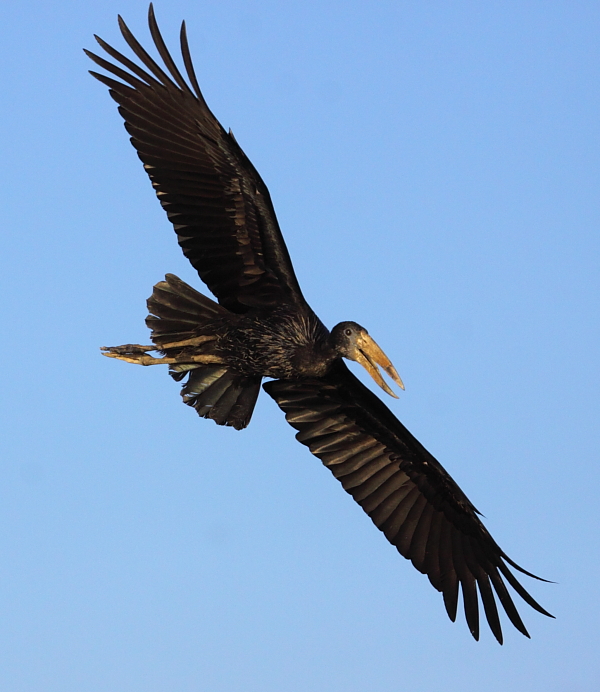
[[262, 326]]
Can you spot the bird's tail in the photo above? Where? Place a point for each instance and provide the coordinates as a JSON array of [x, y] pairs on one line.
[[179, 313]]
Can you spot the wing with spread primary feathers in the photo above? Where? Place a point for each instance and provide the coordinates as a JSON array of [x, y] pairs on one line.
[[406, 492], [219, 206]]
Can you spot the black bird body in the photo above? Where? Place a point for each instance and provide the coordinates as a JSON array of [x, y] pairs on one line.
[[262, 326], [279, 343]]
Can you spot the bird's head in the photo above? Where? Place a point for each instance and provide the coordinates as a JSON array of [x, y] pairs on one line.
[[352, 341]]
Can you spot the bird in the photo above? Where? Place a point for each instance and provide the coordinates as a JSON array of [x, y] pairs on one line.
[[260, 326]]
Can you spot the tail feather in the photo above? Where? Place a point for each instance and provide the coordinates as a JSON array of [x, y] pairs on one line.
[[179, 312], [222, 395]]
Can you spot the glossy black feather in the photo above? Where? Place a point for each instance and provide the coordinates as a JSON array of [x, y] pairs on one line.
[[219, 206], [405, 490]]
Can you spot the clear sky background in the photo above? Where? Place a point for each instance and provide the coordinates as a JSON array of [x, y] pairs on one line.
[[435, 169]]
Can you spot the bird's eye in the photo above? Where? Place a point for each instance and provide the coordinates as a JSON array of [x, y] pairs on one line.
[[348, 332]]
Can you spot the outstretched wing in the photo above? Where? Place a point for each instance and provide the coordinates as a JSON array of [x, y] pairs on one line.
[[219, 206], [406, 492]]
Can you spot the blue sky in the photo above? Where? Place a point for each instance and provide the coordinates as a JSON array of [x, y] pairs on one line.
[[435, 170]]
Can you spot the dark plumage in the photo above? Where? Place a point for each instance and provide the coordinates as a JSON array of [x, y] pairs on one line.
[[262, 327]]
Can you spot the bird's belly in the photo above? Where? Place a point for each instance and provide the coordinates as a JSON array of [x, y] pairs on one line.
[[271, 354]]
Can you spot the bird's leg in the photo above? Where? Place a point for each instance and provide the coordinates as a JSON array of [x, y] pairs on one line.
[[138, 354], [140, 357], [195, 341]]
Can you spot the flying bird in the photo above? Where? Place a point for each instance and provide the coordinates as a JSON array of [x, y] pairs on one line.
[[261, 326]]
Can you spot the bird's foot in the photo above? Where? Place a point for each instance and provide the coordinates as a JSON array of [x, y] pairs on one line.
[[131, 353], [126, 350]]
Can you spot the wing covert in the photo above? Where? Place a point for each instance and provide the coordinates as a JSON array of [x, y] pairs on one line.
[[217, 202], [407, 493]]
